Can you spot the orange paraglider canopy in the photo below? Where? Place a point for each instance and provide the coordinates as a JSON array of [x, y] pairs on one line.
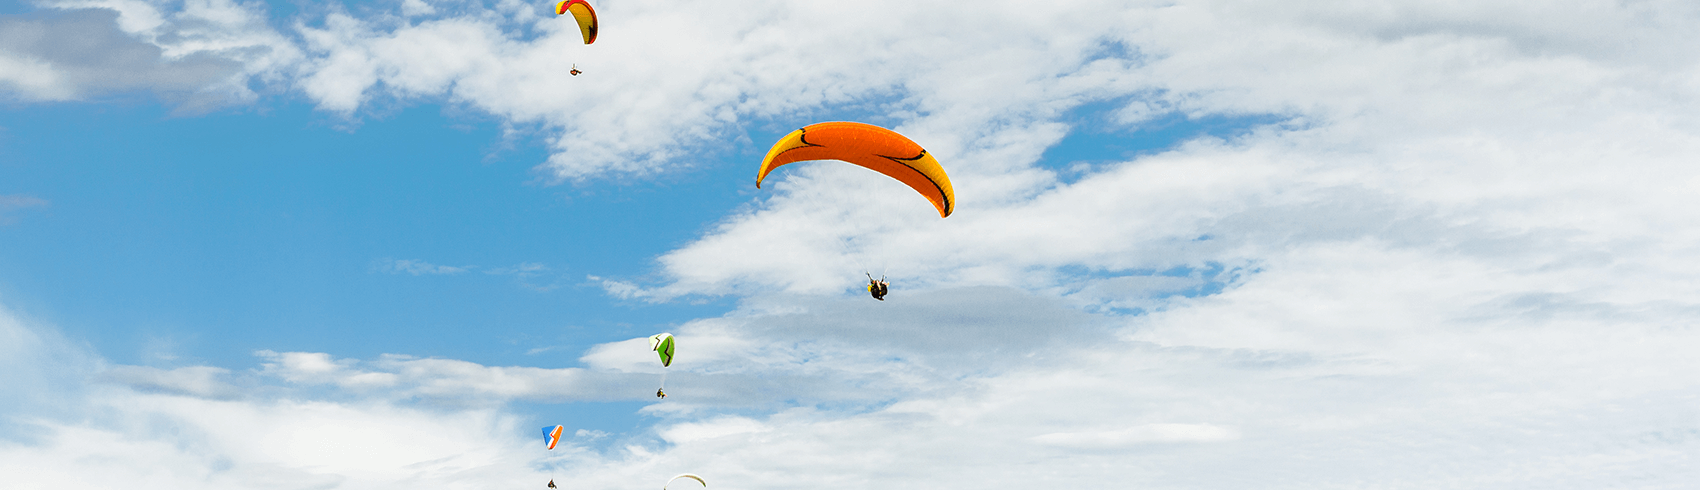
[[876, 148]]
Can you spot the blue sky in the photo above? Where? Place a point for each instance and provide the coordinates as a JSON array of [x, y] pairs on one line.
[[208, 237], [1197, 245]]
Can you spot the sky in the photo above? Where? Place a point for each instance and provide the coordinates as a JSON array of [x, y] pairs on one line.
[[1198, 244]]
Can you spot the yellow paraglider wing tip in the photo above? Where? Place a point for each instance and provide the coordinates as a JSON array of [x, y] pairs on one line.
[[928, 167], [789, 142]]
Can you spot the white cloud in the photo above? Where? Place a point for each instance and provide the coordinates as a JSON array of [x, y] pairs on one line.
[[401, 377], [159, 441], [619, 289], [200, 381], [413, 8], [39, 369], [631, 355], [686, 433], [32, 77], [936, 394], [198, 55], [188, 427], [1143, 434], [320, 368]]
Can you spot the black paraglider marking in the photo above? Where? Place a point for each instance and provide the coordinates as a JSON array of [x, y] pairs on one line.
[[803, 138], [942, 194]]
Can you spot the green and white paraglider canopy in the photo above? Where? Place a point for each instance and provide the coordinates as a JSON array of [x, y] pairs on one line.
[[662, 344]]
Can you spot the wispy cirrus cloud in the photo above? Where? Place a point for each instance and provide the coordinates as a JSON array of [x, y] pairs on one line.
[[11, 203], [197, 381], [417, 267], [445, 380], [522, 269], [525, 274]]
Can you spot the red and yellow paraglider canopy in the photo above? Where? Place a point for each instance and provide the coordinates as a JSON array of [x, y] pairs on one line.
[[585, 16]]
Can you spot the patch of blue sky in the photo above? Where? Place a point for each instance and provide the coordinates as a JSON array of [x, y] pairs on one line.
[[1111, 49], [1100, 287], [754, 136], [15, 7], [177, 241], [1096, 137]]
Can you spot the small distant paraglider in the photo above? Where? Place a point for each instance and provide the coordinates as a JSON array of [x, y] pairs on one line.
[[551, 437], [586, 18], [685, 475], [662, 344], [582, 13]]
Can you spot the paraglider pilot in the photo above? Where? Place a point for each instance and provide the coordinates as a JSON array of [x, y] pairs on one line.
[[552, 484], [878, 288]]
